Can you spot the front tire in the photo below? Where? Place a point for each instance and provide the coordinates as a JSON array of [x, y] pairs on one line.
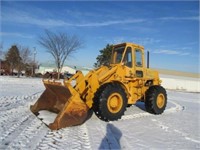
[[156, 99], [110, 102]]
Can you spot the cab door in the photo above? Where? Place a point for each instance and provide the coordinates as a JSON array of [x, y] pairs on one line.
[[139, 63], [128, 62], [139, 72]]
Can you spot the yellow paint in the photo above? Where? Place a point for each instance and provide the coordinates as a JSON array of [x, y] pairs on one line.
[[160, 100], [114, 103], [130, 78], [127, 68]]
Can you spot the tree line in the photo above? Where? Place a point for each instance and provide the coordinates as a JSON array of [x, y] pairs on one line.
[[60, 45], [17, 59]]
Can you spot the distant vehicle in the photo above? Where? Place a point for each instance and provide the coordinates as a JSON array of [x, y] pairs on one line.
[[67, 75]]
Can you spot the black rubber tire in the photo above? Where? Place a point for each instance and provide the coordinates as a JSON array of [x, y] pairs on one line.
[[151, 99], [100, 102], [129, 105]]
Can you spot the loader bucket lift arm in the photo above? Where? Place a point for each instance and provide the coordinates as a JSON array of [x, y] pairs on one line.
[[71, 103]]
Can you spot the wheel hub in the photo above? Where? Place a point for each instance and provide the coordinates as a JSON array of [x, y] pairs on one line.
[[114, 102], [160, 100]]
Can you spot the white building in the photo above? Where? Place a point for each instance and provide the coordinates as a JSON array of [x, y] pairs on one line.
[[66, 69]]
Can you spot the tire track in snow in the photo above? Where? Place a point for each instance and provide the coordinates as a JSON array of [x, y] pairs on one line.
[[12, 115], [168, 129], [24, 139], [13, 125], [49, 140], [15, 120], [177, 108], [15, 130], [9, 102], [186, 136], [110, 142], [133, 116], [68, 138], [173, 109], [15, 112]]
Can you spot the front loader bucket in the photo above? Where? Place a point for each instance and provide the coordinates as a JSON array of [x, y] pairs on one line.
[[57, 98]]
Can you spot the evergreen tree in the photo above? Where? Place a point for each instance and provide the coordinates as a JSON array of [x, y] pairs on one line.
[[104, 57], [13, 58]]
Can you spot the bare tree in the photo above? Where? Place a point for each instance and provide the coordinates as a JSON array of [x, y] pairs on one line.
[[25, 54], [60, 46], [26, 61]]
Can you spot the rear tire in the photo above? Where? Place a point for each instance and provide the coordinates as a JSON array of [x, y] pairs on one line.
[[156, 99], [110, 102]]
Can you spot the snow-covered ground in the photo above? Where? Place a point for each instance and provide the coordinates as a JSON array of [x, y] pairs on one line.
[[187, 84], [177, 128]]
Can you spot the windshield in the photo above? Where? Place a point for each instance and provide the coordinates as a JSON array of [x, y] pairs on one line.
[[117, 54]]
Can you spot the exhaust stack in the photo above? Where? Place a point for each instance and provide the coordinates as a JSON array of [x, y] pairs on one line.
[[147, 59]]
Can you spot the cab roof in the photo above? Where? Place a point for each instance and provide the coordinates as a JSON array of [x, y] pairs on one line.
[[131, 44]]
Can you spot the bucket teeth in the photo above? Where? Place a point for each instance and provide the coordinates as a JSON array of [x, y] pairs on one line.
[[71, 109]]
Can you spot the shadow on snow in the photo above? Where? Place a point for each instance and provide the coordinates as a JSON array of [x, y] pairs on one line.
[[112, 138]]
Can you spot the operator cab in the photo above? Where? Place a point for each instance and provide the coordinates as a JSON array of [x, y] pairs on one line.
[[129, 54]]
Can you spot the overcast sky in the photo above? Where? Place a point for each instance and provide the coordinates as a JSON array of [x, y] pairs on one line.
[[169, 30]]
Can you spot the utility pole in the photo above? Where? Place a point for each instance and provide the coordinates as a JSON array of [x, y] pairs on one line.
[[34, 54], [1, 52]]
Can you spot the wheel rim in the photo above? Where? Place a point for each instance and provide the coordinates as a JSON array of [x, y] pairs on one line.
[[114, 103], [160, 100]]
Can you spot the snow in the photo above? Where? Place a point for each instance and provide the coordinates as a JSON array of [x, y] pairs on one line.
[[46, 116], [177, 128], [181, 83]]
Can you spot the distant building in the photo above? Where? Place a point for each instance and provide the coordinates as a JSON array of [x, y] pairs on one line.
[[4, 69], [66, 69]]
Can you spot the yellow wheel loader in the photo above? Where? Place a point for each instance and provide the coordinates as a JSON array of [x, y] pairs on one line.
[[106, 91]]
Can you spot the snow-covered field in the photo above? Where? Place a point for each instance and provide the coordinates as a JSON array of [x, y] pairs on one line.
[[177, 128], [187, 84]]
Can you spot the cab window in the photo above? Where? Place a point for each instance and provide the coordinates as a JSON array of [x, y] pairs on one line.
[[138, 59], [128, 57], [118, 53]]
